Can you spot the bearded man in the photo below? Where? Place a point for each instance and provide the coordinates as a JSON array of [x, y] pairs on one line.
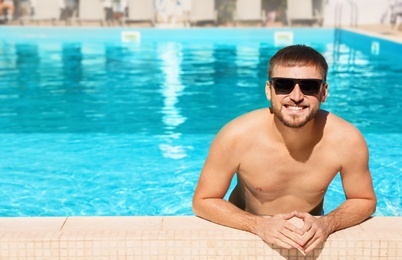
[[284, 158]]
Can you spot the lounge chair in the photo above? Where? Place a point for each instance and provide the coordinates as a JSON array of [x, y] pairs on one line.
[[46, 10], [68, 11], [91, 11], [6, 11], [141, 11], [396, 11], [302, 11], [249, 11], [202, 11]]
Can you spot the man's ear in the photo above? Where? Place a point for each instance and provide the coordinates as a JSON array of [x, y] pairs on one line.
[[268, 90], [324, 93]]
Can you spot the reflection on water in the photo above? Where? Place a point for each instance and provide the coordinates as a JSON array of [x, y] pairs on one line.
[[170, 55], [27, 65], [247, 63], [81, 87], [172, 89], [362, 89], [72, 62]]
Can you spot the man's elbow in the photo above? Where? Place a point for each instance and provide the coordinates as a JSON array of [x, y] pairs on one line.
[[196, 206], [200, 206], [195, 210], [373, 206], [368, 206]]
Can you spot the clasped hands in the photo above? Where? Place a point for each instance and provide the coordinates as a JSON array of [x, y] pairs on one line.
[[294, 230]]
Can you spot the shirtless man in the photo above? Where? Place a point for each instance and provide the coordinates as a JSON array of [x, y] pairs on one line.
[[285, 157]]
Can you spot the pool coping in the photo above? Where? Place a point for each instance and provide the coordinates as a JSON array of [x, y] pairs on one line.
[[179, 237], [382, 31]]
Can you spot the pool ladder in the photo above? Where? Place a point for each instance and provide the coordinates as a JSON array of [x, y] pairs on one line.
[[338, 24], [338, 13]]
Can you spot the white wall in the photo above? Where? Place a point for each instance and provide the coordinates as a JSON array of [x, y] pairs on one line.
[[366, 12]]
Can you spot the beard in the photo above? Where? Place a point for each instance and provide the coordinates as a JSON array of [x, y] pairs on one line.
[[293, 121]]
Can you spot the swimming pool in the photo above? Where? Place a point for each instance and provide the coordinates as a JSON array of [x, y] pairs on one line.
[[98, 122]]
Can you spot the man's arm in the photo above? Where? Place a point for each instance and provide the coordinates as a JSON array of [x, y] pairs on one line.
[[360, 201], [357, 184], [208, 203]]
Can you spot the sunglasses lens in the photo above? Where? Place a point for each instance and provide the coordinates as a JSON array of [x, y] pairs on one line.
[[310, 87], [283, 86]]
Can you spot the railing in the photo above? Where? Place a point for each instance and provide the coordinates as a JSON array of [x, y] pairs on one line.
[[339, 13], [338, 24]]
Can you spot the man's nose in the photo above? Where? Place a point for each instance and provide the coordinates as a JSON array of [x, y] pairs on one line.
[[296, 95]]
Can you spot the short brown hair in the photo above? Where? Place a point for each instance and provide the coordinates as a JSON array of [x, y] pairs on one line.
[[299, 55]]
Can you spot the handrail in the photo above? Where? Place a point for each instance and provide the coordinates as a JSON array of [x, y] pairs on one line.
[[338, 15], [338, 24], [353, 13]]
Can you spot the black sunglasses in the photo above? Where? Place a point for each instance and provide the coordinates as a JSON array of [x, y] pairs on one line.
[[308, 87]]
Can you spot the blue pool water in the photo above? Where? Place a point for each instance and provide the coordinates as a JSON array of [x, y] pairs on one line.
[[93, 125]]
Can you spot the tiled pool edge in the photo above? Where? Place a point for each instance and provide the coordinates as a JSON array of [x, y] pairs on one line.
[[179, 238]]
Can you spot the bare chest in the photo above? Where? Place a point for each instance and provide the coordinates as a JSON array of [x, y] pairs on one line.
[[278, 172]]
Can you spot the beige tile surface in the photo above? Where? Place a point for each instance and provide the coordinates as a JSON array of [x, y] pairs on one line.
[[190, 223], [115, 224], [180, 238], [384, 228], [384, 31], [34, 224]]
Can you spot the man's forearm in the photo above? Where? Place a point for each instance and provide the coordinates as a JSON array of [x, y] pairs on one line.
[[272, 230], [349, 213], [225, 213]]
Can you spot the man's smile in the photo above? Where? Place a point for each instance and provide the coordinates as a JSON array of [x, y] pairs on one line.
[[295, 108]]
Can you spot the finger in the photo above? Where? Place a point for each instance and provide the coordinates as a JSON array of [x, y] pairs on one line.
[[281, 238], [313, 245], [292, 227], [307, 239], [314, 236], [307, 226], [289, 239], [281, 243], [302, 251], [308, 222], [302, 215], [289, 215], [294, 236], [311, 234]]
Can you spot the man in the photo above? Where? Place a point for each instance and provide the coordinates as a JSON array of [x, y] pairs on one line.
[[285, 157]]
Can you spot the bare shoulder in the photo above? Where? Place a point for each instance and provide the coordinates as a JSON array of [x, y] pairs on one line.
[[247, 123], [242, 128], [342, 127], [233, 139], [344, 134]]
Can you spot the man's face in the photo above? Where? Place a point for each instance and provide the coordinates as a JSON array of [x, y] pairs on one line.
[[295, 109]]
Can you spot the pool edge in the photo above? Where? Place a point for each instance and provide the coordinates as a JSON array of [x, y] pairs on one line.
[[178, 237]]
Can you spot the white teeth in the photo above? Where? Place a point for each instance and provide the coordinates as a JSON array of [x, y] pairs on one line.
[[295, 108]]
